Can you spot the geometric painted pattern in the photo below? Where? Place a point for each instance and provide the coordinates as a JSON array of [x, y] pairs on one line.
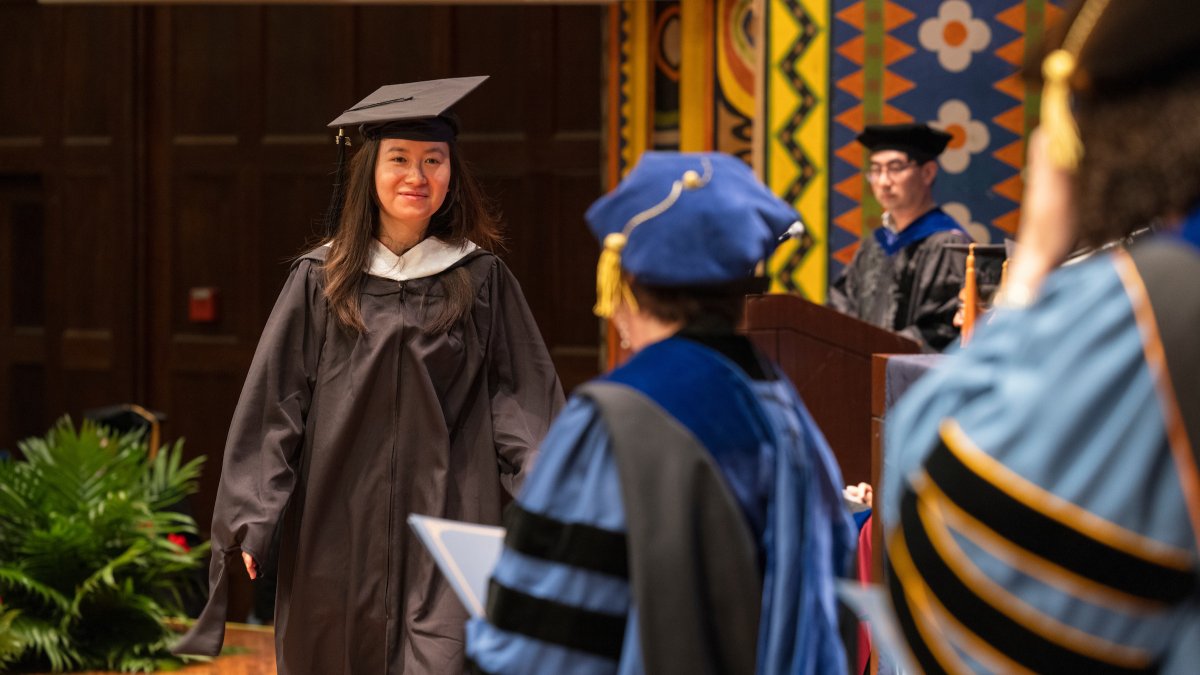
[[630, 90], [865, 50], [832, 67], [796, 137], [953, 64]]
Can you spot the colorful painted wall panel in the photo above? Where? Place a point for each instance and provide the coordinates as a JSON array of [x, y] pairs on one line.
[[796, 137], [733, 102], [954, 65], [832, 66], [683, 77]]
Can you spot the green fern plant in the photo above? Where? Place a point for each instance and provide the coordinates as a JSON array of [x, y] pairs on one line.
[[91, 569]]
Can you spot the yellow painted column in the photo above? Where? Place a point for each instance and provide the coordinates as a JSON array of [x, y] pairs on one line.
[[637, 89], [696, 75], [797, 81]]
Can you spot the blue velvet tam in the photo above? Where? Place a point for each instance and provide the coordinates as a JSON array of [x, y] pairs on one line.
[[690, 219]]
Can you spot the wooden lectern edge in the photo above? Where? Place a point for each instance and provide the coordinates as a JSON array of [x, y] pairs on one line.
[[863, 338]]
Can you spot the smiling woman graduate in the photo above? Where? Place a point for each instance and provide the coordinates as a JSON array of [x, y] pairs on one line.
[[400, 372]]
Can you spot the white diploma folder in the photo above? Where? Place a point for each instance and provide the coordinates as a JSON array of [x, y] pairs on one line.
[[871, 605], [465, 552]]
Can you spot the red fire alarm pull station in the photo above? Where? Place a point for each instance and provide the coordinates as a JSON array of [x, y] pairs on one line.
[[202, 304]]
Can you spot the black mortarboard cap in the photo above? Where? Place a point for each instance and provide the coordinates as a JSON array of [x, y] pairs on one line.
[[989, 263], [921, 141], [129, 417], [417, 111], [991, 250]]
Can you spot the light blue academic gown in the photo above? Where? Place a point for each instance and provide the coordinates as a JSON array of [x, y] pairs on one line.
[[785, 481], [1033, 496]]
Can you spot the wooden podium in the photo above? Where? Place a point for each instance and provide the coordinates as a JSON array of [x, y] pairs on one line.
[[827, 356]]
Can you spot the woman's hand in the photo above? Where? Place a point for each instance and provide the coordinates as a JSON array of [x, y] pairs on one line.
[[251, 566], [861, 493], [1047, 230]]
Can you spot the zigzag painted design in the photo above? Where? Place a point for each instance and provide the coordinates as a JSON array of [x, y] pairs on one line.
[[894, 16], [1013, 119], [847, 159], [879, 19], [1018, 118], [845, 254], [790, 130], [625, 89]]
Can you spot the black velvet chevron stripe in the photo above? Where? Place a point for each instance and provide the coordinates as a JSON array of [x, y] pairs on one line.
[[1053, 540], [572, 627], [904, 616], [1029, 648], [573, 544], [473, 668]]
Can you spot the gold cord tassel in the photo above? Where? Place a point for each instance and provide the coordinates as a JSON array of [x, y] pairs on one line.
[[608, 276], [970, 297], [1063, 145]]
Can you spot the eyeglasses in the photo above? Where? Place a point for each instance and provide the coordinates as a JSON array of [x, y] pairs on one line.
[[894, 169]]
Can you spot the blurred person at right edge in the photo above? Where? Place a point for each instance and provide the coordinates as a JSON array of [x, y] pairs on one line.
[[1040, 495]]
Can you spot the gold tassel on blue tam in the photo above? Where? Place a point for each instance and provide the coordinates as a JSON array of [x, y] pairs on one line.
[[683, 220], [611, 286], [609, 283]]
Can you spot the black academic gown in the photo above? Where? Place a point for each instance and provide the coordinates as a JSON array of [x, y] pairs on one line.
[[913, 292], [342, 436]]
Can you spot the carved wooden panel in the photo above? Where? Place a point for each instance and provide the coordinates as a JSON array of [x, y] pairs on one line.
[[67, 170], [21, 42], [22, 309]]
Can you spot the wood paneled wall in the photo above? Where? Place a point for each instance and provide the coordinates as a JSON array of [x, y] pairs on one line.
[[147, 151], [70, 293]]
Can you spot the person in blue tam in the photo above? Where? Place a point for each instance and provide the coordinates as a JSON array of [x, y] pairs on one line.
[[1041, 495], [903, 278], [685, 513]]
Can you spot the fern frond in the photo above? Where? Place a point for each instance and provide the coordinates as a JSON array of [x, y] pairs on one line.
[[105, 576], [14, 579], [11, 645], [97, 582], [48, 641]]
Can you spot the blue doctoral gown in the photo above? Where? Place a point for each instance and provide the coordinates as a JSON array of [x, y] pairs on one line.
[[775, 464], [1034, 492]]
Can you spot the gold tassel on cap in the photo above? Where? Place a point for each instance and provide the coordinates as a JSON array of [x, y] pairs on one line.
[[1063, 145], [610, 285], [608, 276], [1058, 124]]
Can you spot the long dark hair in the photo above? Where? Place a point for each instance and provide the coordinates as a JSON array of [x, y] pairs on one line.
[[466, 214]]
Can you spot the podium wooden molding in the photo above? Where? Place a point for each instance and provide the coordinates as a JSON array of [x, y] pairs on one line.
[[827, 356]]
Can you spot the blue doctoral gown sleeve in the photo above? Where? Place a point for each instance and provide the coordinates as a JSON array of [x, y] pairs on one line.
[[573, 483], [808, 542], [1053, 406]]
